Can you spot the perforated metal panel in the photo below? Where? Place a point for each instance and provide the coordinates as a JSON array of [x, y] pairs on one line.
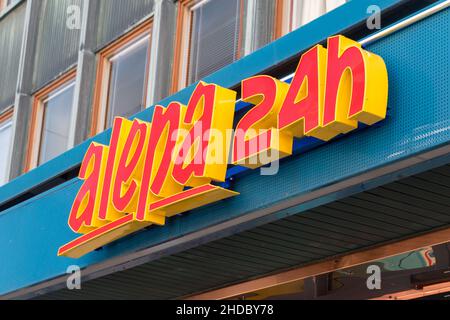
[[117, 16], [394, 211], [57, 44], [11, 30]]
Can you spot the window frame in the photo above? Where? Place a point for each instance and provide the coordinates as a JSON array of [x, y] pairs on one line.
[[6, 116], [183, 44], [37, 116], [102, 80]]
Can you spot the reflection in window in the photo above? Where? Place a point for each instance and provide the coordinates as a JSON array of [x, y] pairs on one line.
[[215, 35], [128, 80], [402, 276], [409, 262], [305, 11], [57, 111], [5, 141]]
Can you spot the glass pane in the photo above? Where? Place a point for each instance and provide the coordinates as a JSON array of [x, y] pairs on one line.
[[5, 141], [56, 124], [214, 38], [333, 4], [127, 81], [310, 10], [305, 11]]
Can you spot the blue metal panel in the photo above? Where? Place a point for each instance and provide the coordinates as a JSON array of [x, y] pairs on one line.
[[352, 223], [418, 64]]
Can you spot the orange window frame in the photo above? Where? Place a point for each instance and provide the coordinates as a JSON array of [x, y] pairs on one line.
[[183, 44], [3, 4], [5, 117], [101, 88], [37, 116], [283, 18]]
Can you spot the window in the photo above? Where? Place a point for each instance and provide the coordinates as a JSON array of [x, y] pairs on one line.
[[122, 78], [5, 143], [296, 13], [209, 38], [51, 121]]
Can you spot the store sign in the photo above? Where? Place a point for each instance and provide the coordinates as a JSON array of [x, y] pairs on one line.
[[153, 171]]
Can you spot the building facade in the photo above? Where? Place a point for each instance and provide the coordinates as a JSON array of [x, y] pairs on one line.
[[363, 216]]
